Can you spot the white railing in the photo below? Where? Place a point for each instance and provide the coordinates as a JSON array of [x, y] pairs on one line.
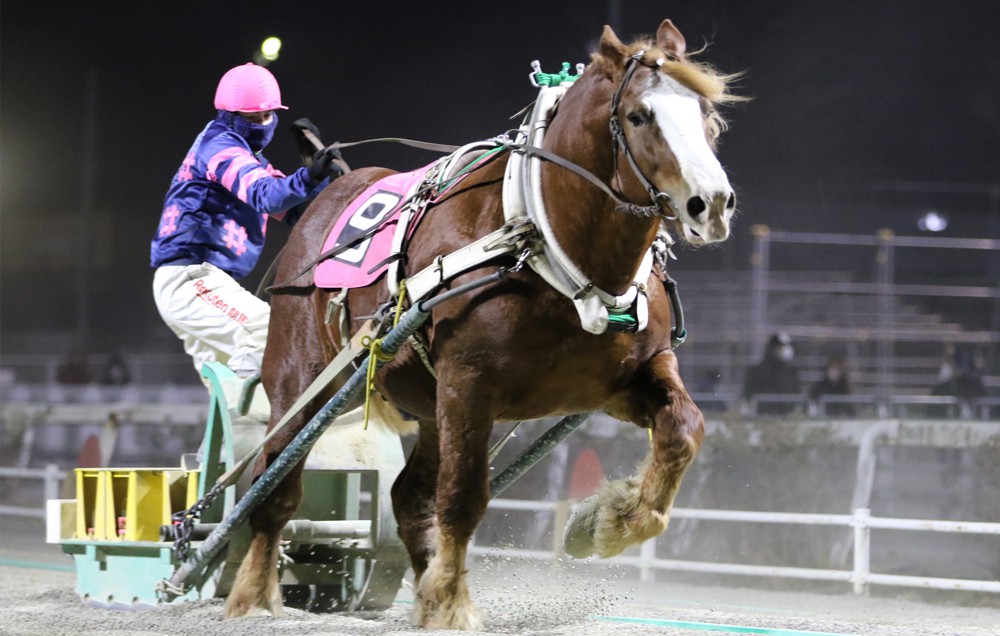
[[860, 576], [51, 475]]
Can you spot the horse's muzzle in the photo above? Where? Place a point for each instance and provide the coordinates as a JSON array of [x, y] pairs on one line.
[[709, 217]]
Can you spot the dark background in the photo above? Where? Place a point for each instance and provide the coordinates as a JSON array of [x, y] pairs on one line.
[[864, 115]]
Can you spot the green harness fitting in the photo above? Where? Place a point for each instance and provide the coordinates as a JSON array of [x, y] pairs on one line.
[[553, 79], [622, 320]]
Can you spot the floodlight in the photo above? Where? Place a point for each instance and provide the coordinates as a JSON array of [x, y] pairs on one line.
[[270, 48], [933, 221]]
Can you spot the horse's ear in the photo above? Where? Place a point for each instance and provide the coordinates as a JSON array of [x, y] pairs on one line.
[[669, 38], [611, 47]]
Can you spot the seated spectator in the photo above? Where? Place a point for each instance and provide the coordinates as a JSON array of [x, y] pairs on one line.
[[73, 370], [115, 372], [961, 374], [774, 374], [833, 382]]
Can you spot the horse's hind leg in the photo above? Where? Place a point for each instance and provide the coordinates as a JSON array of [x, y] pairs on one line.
[[256, 590], [413, 499], [629, 511], [443, 600]]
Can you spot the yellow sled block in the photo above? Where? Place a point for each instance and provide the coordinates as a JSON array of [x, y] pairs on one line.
[[87, 486], [130, 504]]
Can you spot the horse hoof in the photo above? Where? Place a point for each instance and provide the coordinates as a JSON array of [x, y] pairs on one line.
[[238, 610], [466, 622], [454, 614], [251, 612], [578, 538]]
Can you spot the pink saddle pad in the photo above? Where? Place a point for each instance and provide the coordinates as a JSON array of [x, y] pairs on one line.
[[362, 264]]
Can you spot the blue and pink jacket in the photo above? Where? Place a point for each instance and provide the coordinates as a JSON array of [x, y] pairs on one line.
[[217, 206]]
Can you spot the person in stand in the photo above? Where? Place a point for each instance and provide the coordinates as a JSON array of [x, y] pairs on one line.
[[833, 382], [74, 369], [961, 373], [115, 372], [774, 374], [214, 219]]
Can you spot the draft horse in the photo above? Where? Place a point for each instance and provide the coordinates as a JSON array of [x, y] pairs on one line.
[[642, 119]]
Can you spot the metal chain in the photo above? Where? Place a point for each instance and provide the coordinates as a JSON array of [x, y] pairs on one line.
[[526, 253], [184, 521]]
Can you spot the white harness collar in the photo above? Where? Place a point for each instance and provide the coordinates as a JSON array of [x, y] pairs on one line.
[[522, 196]]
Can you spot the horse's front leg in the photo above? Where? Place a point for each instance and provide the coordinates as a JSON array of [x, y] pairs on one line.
[[626, 512], [462, 495]]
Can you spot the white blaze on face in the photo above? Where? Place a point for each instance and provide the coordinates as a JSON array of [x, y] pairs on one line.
[[677, 112]]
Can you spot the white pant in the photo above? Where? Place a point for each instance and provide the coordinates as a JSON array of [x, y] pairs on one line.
[[213, 315]]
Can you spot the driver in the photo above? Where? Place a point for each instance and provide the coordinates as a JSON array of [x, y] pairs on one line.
[[214, 220]]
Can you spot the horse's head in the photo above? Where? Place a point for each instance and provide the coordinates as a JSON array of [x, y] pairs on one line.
[[665, 123]]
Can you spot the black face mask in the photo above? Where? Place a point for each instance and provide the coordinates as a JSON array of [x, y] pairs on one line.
[[256, 135]]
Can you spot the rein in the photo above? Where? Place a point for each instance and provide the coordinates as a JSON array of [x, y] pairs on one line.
[[330, 253], [621, 205], [413, 143], [503, 141]]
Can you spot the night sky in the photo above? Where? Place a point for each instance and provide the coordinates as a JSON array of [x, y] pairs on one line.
[[847, 95]]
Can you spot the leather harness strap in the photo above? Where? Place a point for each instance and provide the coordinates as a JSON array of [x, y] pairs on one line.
[[343, 359]]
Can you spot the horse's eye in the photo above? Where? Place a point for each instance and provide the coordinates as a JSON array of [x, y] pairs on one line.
[[635, 119]]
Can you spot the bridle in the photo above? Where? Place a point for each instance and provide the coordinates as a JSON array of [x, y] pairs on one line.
[[662, 203]]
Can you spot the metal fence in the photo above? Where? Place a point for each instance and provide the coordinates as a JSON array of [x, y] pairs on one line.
[[883, 289]]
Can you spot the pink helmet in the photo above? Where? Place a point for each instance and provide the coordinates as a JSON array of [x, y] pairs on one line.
[[248, 88]]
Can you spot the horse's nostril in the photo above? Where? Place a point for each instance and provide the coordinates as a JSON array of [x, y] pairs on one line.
[[731, 202], [696, 205]]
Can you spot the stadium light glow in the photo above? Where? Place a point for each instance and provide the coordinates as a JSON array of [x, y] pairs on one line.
[[933, 221], [270, 48]]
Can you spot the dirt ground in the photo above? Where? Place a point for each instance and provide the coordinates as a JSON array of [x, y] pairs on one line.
[[515, 597]]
